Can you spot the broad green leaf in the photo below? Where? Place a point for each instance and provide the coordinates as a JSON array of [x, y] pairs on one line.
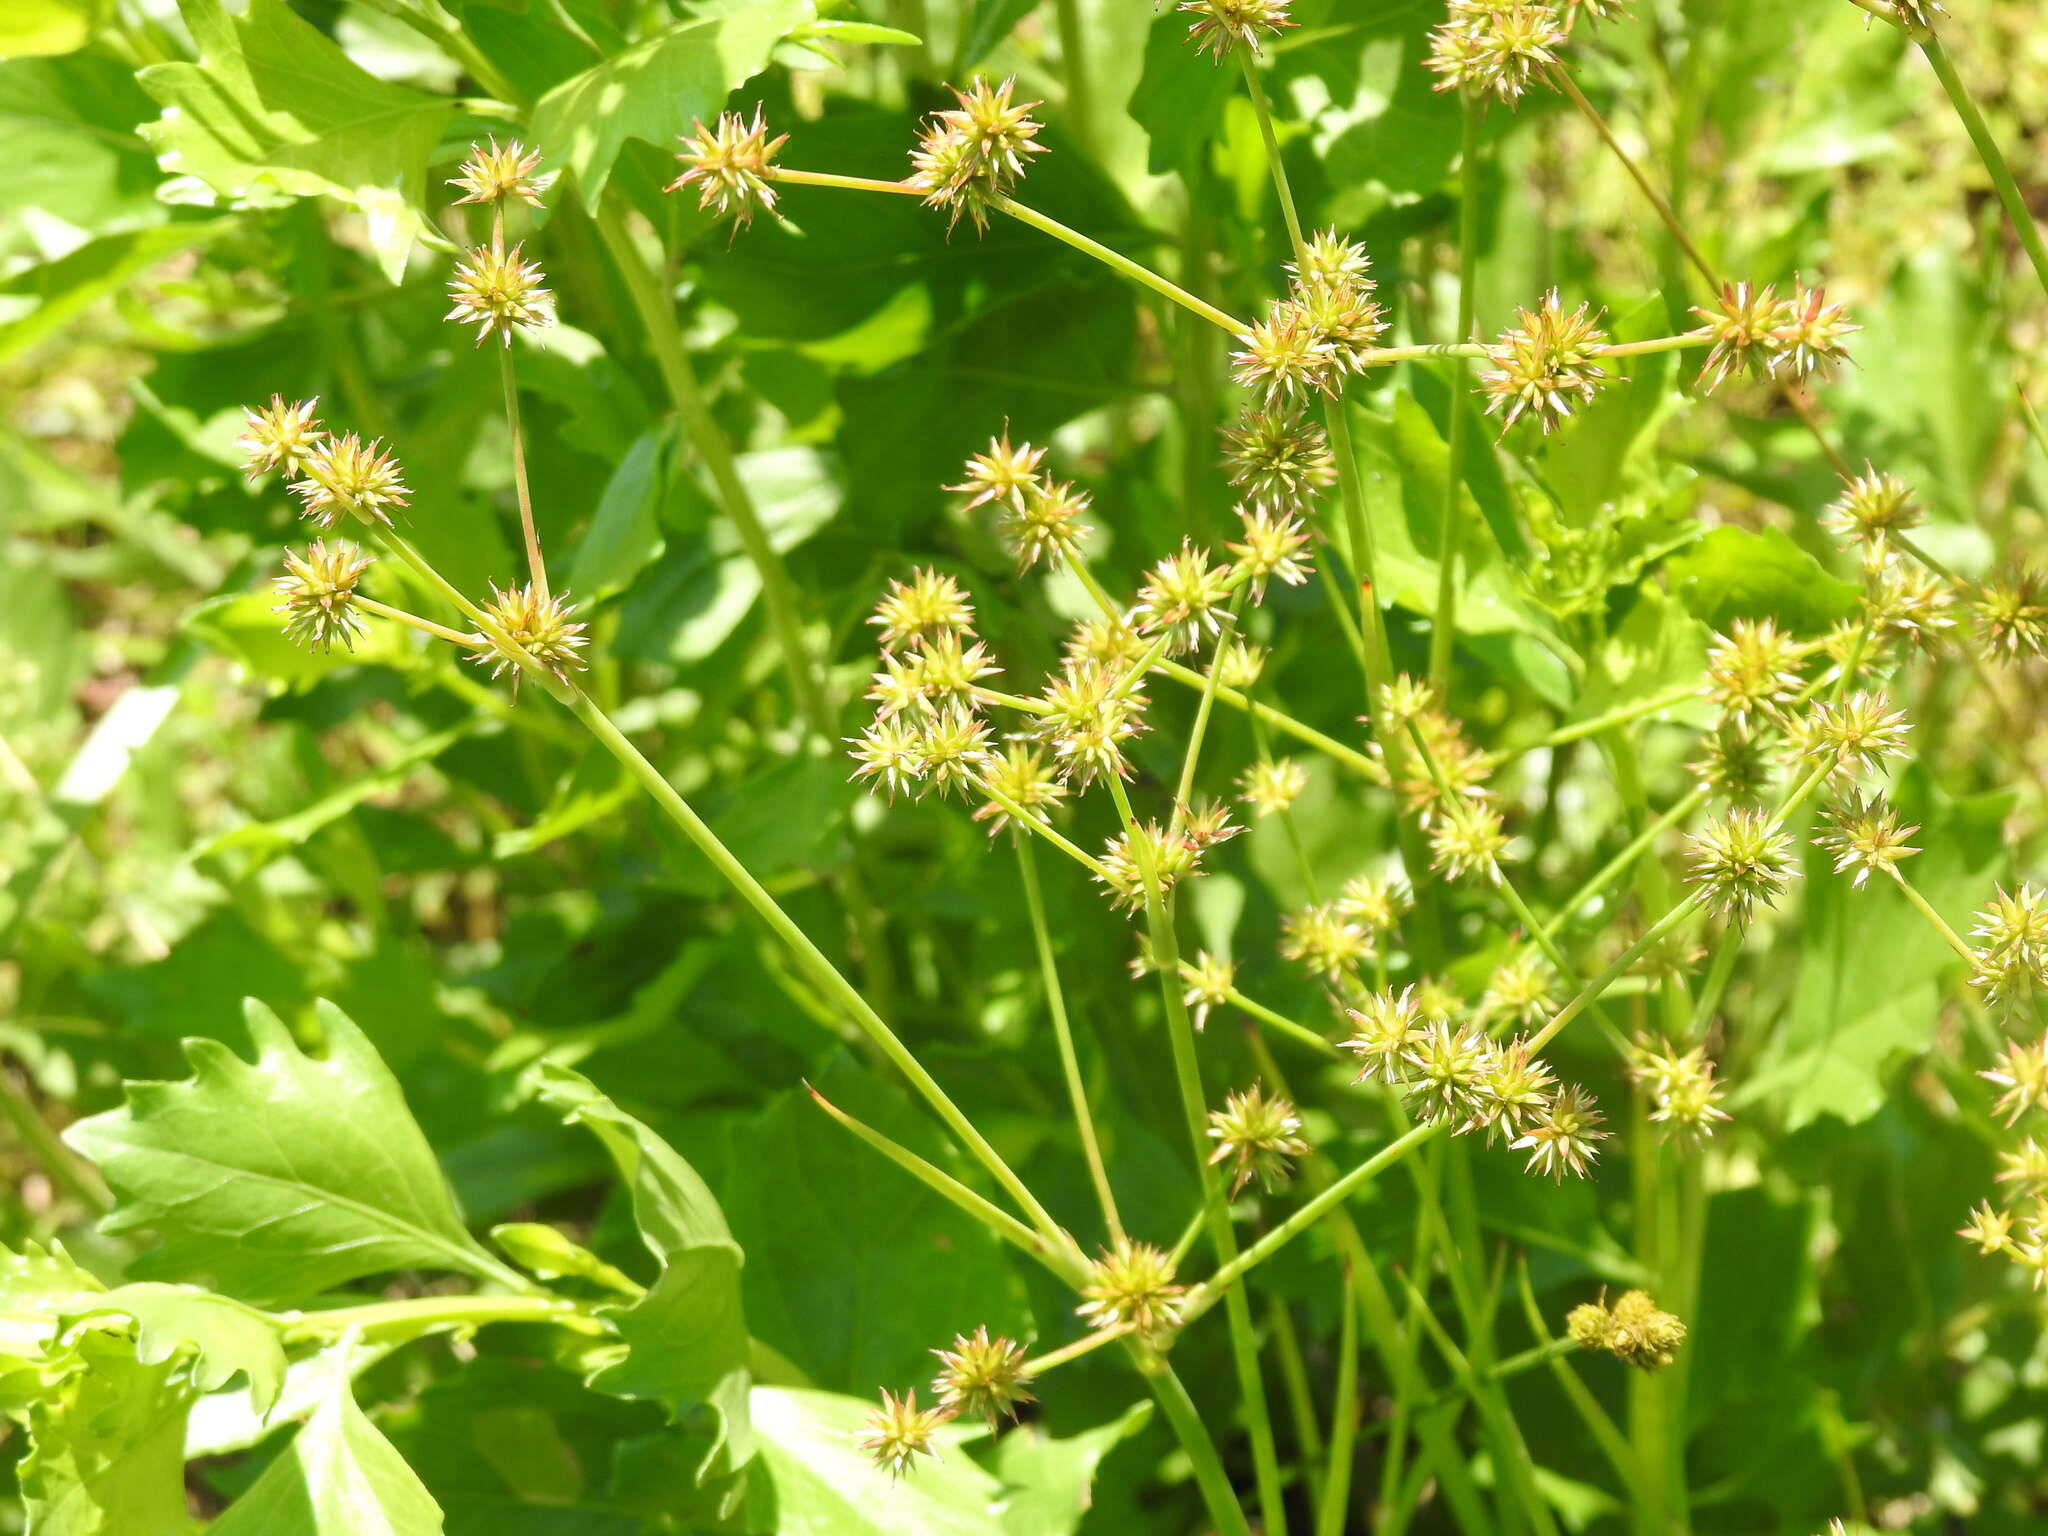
[[340, 1477], [1049, 1480], [281, 1178], [38, 1286], [66, 287], [228, 1420], [106, 1450], [274, 107], [624, 533], [657, 89], [32, 27], [823, 1485], [686, 1339], [853, 32], [73, 155], [223, 1337], [1734, 573], [591, 790]]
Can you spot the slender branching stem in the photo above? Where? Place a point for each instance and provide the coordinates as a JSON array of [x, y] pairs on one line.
[[1451, 532], [536, 567], [1995, 166]]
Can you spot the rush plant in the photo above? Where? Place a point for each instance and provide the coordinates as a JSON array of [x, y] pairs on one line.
[[1271, 769]]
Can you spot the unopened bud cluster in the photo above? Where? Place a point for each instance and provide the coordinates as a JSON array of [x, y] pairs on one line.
[[1634, 1329]]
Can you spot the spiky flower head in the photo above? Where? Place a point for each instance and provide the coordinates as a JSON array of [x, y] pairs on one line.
[[1752, 670], [280, 436], [1407, 700], [1989, 1229], [1183, 598], [950, 669], [890, 752], [1272, 546], [1871, 506], [318, 590], [1634, 1329], [899, 1432], [1210, 981], [971, 154], [1330, 260], [1278, 458], [1854, 735], [2022, 1072], [343, 477], [1493, 47], [2026, 1167], [493, 174], [1864, 835], [1272, 784], [1221, 27], [1239, 664], [1020, 778], [1744, 323], [1445, 1074], [499, 291], [1385, 1027], [1148, 857], [731, 165], [539, 625], [1345, 317], [1004, 474], [929, 604], [1376, 903], [1515, 1093], [1733, 764], [1132, 1285], [1467, 842], [1813, 336], [1259, 1135], [2012, 615], [1545, 364], [1903, 602], [1091, 711], [1680, 1086], [1316, 938], [1565, 1137], [981, 1375], [1742, 862], [1108, 642], [1285, 358], [953, 750], [1918, 15], [1519, 990], [1045, 523], [2012, 945]]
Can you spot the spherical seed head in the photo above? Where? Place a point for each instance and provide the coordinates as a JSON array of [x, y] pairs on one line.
[[1090, 713], [1385, 1027], [1642, 1333], [2025, 1167], [2012, 945], [1544, 364], [1519, 990], [540, 626], [929, 604], [1239, 665], [1467, 843], [1744, 323], [1684, 1097], [1023, 778], [1872, 505], [495, 175], [1272, 784], [498, 292], [1210, 981], [2012, 615], [982, 1376], [1752, 670], [1565, 1137], [1588, 1325], [969, 155], [1327, 258], [1494, 48], [1864, 836], [1004, 474], [1132, 1283], [1259, 1135], [1047, 525], [1317, 938], [1446, 1071], [1377, 903], [899, 1432], [342, 477], [1515, 1092], [1990, 1230], [2022, 1073], [1279, 459], [1221, 27], [953, 749], [1183, 598], [1437, 1001], [1814, 335], [1205, 824], [1272, 546], [319, 595], [1148, 855], [1105, 642], [1743, 862], [1407, 700], [1907, 604], [1733, 764], [730, 164], [1285, 358], [889, 752], [948, 669], [1345, 317], [280, 436], [1854, 735]]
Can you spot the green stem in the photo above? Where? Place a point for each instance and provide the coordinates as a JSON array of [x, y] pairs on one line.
[[1715, 986], [1070, 1065], [1935, 920], [536, 567], [1351, 757], [664, 339], [417, 1316], [1333, 1507], [69, 1172], [1073, 35], [1621, 715], [1198, 732], [1052, 1360], [1453, 528], [1620, 864], [1135, 271], [1273, 159], [1988, 151], [1599, 1424], [1204, 1296], [1217, 1495], [810, 959], [1590, 993], [1282, 1023]]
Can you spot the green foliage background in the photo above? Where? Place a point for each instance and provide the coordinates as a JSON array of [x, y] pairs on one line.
[[199, 208]]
